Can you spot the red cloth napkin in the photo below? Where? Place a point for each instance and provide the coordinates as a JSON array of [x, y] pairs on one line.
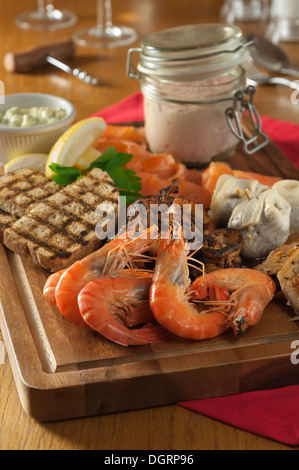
[[273, 414]]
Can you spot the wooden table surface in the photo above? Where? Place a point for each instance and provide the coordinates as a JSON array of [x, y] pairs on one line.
[[169, 427]]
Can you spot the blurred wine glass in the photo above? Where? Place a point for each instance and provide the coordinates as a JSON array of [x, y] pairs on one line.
[[284, 21], [105, 33], [245, 10], [46, 17]]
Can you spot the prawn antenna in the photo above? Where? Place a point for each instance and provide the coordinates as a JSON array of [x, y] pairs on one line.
[[196, 251], [118, 262], [200, 265]]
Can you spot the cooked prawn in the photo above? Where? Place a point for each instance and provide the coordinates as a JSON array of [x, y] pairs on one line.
[[170, 299], [50, 287], [108, 261], [251, 291], [111, 306]]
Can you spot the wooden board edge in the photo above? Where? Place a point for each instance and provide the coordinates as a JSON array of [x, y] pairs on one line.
[[80, 394]]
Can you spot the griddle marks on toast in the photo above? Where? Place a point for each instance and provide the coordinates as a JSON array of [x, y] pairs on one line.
[[6, 225], [6, 220], [14, 179], [63, 228], [96, 191], [108, 182], [70, 218], [27, 185], [40, 244], [20, 190], [48, 244], [79, 239]]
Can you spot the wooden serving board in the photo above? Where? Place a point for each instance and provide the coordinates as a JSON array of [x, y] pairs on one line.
[[63, 372]]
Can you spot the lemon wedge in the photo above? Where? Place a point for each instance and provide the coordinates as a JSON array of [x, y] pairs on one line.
[[36, 161], [76, 142], [87, 157]]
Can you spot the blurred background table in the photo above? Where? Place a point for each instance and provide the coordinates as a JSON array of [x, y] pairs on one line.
[[164, 428]]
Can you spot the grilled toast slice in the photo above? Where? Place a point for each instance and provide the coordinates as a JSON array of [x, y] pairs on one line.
[[21, 189], [61, 229], [6, 220]]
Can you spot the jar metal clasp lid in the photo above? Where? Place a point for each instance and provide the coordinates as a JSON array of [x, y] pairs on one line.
[[242, 101], [242, 104], [131, 70]]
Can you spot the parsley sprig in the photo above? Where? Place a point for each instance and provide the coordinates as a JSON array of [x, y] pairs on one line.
[[111, 161]]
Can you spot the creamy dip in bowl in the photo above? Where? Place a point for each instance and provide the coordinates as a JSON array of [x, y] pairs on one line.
[[32, 124], [31, 117]]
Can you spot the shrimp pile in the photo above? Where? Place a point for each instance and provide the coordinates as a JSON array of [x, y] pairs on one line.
[[131, 307], [99, 293], [170, 298], [111, 292], [228, 298]]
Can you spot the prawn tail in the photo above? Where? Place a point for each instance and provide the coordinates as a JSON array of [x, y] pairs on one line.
[[50, 288], [241, 320], [148, 334], [49, 294]]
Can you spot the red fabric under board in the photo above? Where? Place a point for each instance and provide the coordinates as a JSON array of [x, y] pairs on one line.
[[285, 135], [273, 414], [129, 109]]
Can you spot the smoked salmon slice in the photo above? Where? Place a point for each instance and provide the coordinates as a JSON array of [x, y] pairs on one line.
[[266, 180], [211, 175], [157, 171], [124, 146], [129, 133]]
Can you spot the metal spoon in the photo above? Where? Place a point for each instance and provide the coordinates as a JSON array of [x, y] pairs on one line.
[[257, 77], [269, 56]]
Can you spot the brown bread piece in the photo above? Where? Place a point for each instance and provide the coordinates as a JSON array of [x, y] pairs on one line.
[[61, 229]]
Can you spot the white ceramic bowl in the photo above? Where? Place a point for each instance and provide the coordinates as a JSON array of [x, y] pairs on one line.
[[16, 141]]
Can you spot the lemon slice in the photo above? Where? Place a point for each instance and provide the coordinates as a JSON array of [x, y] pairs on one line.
[[75, 142], [36, 161], [89, 156]]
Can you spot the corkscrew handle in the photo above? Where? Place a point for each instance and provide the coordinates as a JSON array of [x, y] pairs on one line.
[[55, 54], [76, 72]]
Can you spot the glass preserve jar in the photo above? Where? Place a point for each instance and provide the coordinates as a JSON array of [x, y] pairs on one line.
[[194, 90]]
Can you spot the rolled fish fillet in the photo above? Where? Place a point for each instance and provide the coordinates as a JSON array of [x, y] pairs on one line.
[[264, 222], [229, 193], [289, 190]]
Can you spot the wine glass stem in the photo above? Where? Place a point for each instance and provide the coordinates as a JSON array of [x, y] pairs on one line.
[[104, 14], [44, 6]]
